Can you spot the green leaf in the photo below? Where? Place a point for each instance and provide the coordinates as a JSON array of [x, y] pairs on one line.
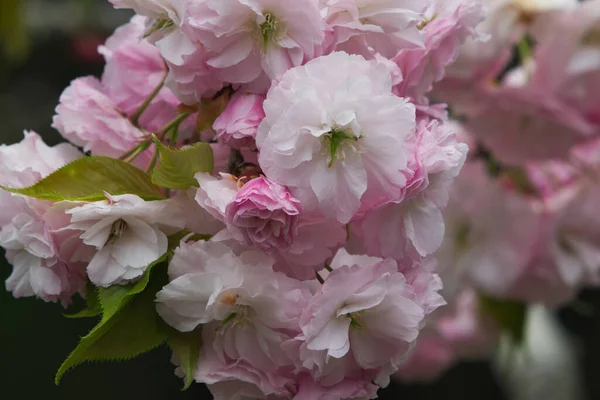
[[186, 346], [129, 327], [510, 315], [93, 308], [177, 168], [87, 178]]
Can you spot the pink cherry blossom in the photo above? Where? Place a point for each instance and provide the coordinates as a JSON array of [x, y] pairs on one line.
[[520, 123], [511, 244], [41, 258], [250, 38], [89, 119], [383, 26], [192, 80], [300, 242], [237, 125], [262, 198], [414, 227], [134, 69], [491, 233], [507, 21], [128, 232], [233, 284], [447, 24], [234, 379], [250, 310], [426, 283], [542, 108], [215, 195], [568, 64], [165, 18], [365, 315], [566, 256], [334, 134], [317, 241]]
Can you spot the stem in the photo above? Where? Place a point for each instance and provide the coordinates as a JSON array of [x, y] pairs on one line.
[[153, 161], [128, 153], [135, 117], [173, 124], [137, 151]]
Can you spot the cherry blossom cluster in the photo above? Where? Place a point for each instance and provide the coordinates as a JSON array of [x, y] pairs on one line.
[[521, 219], [522, 222], [302, 258]]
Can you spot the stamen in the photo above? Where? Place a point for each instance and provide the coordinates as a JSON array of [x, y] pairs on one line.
[[241, 314], [426, 21], [333, 140], [356, 319], [117, 230], [159, 25], [268, 28], [230, 300]]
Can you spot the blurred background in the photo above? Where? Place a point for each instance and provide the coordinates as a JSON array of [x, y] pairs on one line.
[[44, 44]]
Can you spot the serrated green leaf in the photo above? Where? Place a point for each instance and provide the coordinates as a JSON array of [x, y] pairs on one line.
[[87, 178], [93, 307], [509, 315], [177, 168], [128, 327], [186, 346]]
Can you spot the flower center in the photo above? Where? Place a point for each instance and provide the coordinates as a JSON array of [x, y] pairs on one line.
[[269, 28], [426, 21], [240, 315], [356, 319], [117, 230], [230, 300], [162, 24], [338, 142]]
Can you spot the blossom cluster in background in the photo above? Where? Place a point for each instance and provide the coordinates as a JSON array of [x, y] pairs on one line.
[[521, 223], [274, 189]]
